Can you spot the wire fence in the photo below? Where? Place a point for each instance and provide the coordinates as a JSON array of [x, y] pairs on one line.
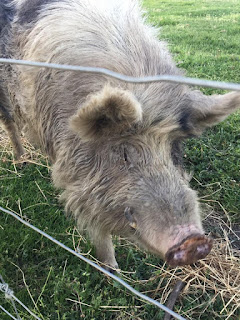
[[158, 78], [121, 77], [10, 295], [109, 274]]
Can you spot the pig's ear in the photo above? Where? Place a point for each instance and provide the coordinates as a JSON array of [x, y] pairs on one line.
[[109, 112], [206, 111]]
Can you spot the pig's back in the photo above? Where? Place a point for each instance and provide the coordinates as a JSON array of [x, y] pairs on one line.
[[110, 34], [88, 33]]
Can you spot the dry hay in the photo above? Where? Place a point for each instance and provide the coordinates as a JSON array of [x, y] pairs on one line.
[[213, 280], [217, 277], [32, 155]]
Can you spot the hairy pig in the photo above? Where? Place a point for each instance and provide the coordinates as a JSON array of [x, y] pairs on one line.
[[115, 147]]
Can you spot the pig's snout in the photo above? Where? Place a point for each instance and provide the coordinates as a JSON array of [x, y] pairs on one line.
[[190, 250]]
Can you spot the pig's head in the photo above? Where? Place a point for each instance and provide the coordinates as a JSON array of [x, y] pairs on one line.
[[138, 187]]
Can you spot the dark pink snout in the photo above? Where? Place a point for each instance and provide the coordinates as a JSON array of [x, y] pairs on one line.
[[190, 250]]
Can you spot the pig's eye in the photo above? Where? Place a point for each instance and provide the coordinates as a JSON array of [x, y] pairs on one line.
[[129, 216], [125, 156]]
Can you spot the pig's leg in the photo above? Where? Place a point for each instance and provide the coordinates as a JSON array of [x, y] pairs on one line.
[[12, 131], [105, 251]]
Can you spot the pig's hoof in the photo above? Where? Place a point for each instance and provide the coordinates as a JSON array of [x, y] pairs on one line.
[[112, 269], [22, 161], [189, 250], [22, 165]]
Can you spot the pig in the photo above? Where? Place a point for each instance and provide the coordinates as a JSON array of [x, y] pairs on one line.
[[115, 147]]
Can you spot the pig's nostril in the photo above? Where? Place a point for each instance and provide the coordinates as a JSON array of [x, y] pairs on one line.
[[178, 256], [189, 250], [202, 249]]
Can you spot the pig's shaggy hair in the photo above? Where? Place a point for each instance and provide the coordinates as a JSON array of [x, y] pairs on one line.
[[112, 145]]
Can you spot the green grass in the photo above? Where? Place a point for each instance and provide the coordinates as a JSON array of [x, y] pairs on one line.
[[204, 39], [203, 35]]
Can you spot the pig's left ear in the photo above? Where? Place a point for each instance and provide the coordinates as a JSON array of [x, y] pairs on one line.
[[108, 112], [206, 111]]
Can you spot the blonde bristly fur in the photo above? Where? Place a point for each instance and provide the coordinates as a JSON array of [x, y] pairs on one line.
[[112, 145]]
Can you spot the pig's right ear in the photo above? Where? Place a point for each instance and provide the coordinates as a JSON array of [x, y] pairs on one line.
[[207, 111], [109, 112]]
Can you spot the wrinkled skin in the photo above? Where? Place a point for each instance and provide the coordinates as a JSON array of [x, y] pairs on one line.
[[115, 147]]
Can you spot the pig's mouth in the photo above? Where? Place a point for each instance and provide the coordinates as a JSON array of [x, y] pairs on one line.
[[190, 250]]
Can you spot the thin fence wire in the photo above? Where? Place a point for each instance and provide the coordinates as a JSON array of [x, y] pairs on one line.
[[9, 314], [129, 79], [121, 77], [10, 295], [122, 282]]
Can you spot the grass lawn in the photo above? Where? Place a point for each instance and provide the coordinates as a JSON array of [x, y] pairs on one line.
[[204, 37]]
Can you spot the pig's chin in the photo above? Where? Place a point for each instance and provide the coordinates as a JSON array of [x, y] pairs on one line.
[[182, 245]]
